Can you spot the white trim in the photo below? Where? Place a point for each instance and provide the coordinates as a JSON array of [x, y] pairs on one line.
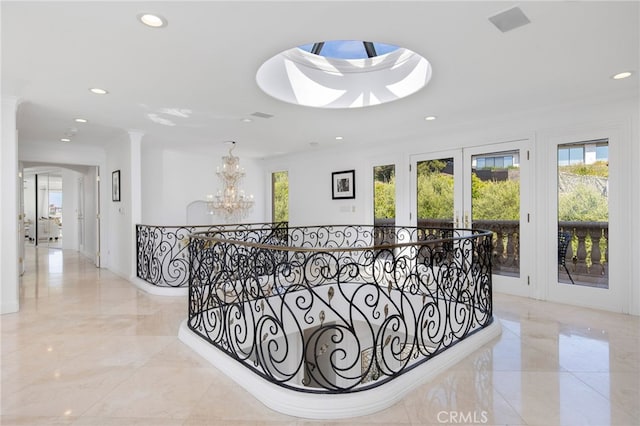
[[332, 406], [9, 308], [157, 290], [616, 297]]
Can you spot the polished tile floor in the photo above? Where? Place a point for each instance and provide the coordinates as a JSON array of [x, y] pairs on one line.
[[88, 348]]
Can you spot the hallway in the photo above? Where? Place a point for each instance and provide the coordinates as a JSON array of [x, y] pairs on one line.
[[88, 348]]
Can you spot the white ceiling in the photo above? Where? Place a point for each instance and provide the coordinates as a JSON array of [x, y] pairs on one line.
[[205, 60]]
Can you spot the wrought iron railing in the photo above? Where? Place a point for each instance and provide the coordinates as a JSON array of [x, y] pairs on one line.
[[162, 251], [586, 257], [334, 309], [506, 240]]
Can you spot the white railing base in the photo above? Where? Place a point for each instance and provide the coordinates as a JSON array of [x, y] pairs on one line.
[[336, 406]]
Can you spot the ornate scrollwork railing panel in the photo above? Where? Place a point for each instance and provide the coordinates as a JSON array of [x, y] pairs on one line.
[[162, 251], [329, 312]]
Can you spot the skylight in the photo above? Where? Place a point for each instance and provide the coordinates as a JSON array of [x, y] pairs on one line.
[[348, 49], [343, 74]]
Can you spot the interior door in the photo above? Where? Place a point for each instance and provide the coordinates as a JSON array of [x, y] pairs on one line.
[[496, 198]]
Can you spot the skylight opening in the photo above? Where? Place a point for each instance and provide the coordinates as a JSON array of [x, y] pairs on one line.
[[343, 74]]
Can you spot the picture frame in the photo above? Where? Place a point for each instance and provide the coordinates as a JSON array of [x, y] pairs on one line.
[[343, 184], [115, 185]]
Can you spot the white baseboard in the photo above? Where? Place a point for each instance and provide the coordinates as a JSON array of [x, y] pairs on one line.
[[9, 307], [157, 290]]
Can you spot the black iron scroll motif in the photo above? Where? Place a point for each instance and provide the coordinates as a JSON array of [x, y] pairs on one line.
[[162, 251], [334, 309]]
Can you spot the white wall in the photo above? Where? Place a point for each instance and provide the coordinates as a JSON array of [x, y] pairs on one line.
[[10, 184], [119, 235], [634, 206], [310, 180], [310, 201], [172, 179]]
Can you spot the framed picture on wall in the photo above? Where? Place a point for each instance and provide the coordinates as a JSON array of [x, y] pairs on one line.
[[343, 184], [115, 186]]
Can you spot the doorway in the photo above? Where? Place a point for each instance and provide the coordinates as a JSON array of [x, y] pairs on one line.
[[43, 207], [60, 208], [589, 217], [484, 187]]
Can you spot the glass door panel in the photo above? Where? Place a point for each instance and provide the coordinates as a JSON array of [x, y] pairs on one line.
[[436, 196], [496, 198], [495, 206], [481, 187], [436, 182], [583, 213], [280, 196], [384, 203], [437, 192]]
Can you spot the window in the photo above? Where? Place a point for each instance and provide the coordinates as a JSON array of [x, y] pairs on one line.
[[384, 193], [571, 155], [280, 196], [494, 162], [602, 152]]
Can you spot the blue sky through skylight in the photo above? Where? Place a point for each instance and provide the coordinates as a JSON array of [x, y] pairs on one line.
[[348, 49]]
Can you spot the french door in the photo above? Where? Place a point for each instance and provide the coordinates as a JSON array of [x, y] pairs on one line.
[[591, 219], [484, 187]]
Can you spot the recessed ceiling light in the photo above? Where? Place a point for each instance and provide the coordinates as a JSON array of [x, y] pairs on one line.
[[80, 120], [98, 91], [247, 120], [430, 117], [65, 140], [622, 75], [339, 138], [152, 20]]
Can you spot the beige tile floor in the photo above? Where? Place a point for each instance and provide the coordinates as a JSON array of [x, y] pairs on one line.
[[88, 348]]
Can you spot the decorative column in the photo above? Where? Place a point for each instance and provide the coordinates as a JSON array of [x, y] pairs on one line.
[[135, 185]]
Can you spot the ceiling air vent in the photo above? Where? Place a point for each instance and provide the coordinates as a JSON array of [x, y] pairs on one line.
[[262, 115], [509, 19]]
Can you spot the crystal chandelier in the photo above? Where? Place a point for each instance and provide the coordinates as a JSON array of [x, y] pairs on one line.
[[230, 202]]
